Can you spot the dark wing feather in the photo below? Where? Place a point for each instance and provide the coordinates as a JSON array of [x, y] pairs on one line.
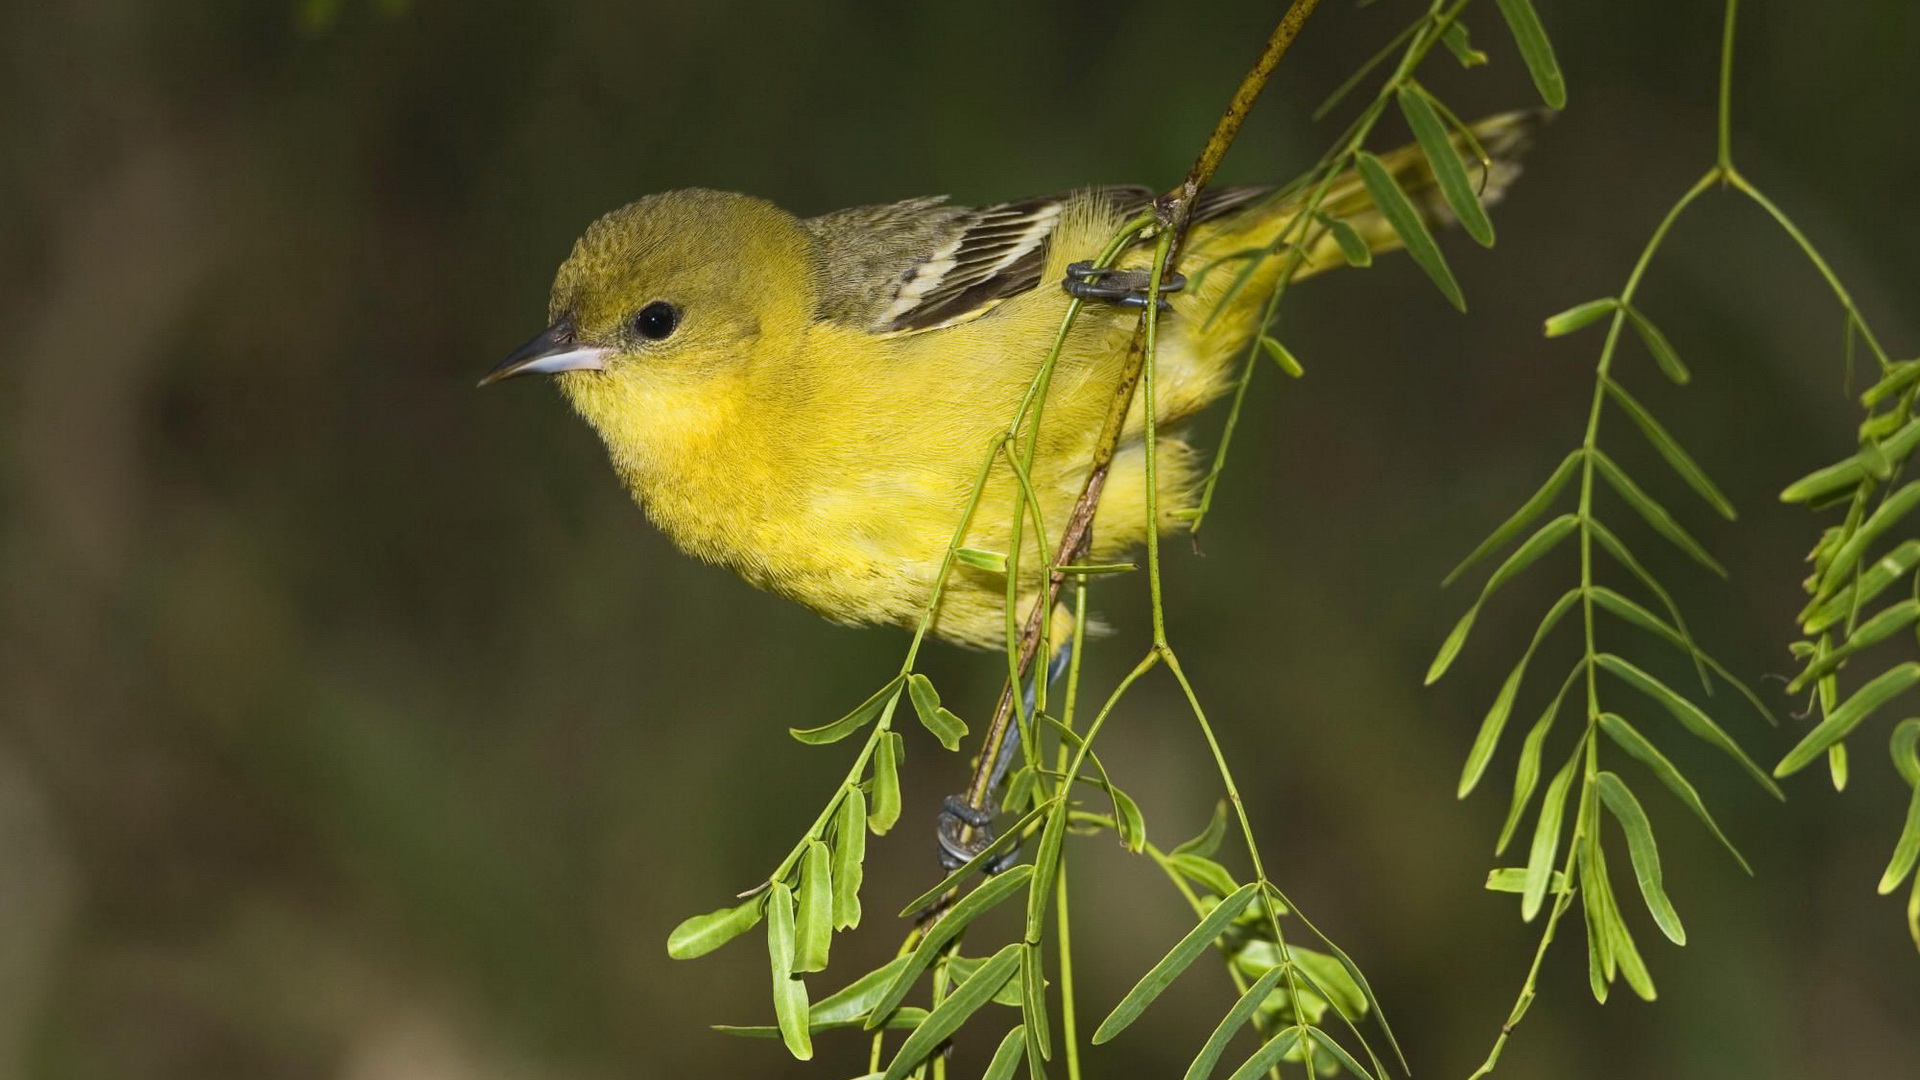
[[922, 264]]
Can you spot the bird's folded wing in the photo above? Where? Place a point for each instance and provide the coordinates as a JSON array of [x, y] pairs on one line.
[[922, 264]]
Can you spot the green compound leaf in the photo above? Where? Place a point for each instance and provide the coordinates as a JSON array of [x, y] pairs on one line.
[[849, 857], [1536, 50], [1535, 505], [971, 906], [789, 993], [1656, 515], [1637, 746], [1690, 716], [1885, 687], [1448, 172], [702, 934], [1496, 720], [1176, 961], [1392, 203], [1523, 556], [1670, 449], [1580, 316], [1236, 1018], [1646, 854], [953, 1011], [862, 715]]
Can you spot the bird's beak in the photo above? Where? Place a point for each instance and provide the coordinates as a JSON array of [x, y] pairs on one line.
[[552, 350]]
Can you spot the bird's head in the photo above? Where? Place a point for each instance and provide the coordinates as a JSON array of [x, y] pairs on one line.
[[668, 293]]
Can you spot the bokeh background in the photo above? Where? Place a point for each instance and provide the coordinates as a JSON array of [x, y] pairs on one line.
[[353, 724]]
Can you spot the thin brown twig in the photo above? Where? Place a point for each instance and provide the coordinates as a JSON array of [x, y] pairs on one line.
[[1174, 210]]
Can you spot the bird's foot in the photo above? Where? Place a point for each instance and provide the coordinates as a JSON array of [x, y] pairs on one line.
[[959, 817], [1127, 288]]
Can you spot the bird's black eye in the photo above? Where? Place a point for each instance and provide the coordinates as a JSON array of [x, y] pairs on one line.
[[656, 320]]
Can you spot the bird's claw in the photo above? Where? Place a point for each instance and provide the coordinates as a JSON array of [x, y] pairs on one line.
[[1127, 288], [957, 816]]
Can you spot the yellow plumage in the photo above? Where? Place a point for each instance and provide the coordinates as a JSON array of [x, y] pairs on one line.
[[782, 429]]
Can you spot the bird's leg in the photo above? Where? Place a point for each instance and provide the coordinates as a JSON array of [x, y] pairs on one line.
[[965, 829], [1126, 288]]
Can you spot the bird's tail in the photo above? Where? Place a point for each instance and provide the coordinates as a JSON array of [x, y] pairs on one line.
[[1234, 261]]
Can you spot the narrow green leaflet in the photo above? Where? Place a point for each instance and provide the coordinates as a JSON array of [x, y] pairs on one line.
[[1236, 1018], [1631, 612], [1886, 686], [1690, 716], [1626, 559], [1906, 851], [1513, 879], [1455, 38], [1535, 505], [1007, 1057], [1660, 347], [789, 993], [953, 1010], [1496, 719], [1526, 774], [1033, 1008], [886, 784], [1546, 840], [1846, 473], [1448, 172], [1646, 854], [1209, 839], [1282, 356], [1580, 316], [1405, 220], [1670, 449], [1523, 556], [1175, 962], [813, 921], [961, 968], [1885, 623], [902, 1019], [1269, 1054], [862, 715], [1657, 516], [1604, 909], [849, 857], [945, 726], [990, 561], [990, 893], [1637, 746], [702, 934], [1897, 378], [1324, 1041], [1894, 565], [1352, 248], [852, 1002], [1536, 50], [1204, 871], [1132, 825], [1889, 513], [1046, 861]]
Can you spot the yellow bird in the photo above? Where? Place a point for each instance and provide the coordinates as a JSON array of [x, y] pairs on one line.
[[809, 401]]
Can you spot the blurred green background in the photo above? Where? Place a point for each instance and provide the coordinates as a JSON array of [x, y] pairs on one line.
[[354, 724]]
